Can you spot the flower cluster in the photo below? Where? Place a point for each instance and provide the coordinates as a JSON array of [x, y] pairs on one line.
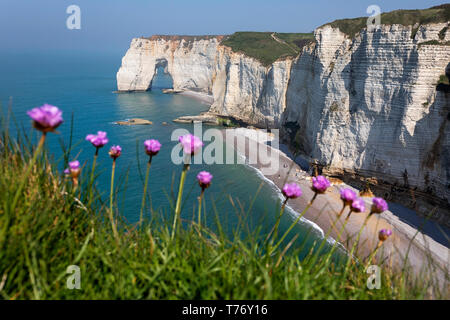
[[190, 143], [348, 196], [74, 169], [379, 205], [115, 152], [358, 205], [98, 140], [291, 191], [320, 184], [152, 147], [384, 234], [46, 118], [204, 179]]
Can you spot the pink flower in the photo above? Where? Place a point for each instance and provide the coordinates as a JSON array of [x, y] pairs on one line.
[[348, 196], [74, 165], [46, 118], [152, 147], [384, 234], [98, 140], [74, 169], [115, 152], [358, 205], [204, 179], [190, 143], [292, 190], [379, 205], [320, 184]]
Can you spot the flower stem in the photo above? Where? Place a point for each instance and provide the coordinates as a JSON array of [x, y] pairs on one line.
[[111, 213], [91, 182], [330, 253], [342, 210], [141, 215], [277, 223], [180, 195], [355, 244], [369, 261], [200, 198], [349, 214], [313, 198], [75, 183], [295, 222], [335, 245], [27, 173]]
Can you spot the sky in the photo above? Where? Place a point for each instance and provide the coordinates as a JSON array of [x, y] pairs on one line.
[[109, 25]]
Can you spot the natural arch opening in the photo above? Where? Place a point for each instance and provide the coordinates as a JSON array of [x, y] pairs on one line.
[[161, 78]]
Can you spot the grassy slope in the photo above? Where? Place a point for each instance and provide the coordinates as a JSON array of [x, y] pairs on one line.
[[403, 17], [262, 46], [188, 38], [53, 226]]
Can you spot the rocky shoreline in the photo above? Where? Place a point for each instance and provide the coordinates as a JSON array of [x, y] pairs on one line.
[[207, 118], [133, 122]]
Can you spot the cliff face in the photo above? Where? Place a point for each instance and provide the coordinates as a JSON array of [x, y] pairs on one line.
[[241, 86], [367, 105], [190, 61], [371, 106], [247, 90]]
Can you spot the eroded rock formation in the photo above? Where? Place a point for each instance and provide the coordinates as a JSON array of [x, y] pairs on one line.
[[369, 105]]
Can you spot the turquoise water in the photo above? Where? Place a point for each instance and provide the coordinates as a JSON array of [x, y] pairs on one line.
[[84, 85]]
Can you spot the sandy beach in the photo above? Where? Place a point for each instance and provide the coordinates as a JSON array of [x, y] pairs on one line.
[[423, 253], [202, 97]]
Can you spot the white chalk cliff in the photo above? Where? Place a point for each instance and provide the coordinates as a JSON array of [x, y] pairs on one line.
[[367, 104], [191, 63], [240, 85], [371, 105]]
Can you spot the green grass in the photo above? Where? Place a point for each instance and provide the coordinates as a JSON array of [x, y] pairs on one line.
[[434, 43], [263, 47], [227, 122], [296, 40], [442, 33], [54, 226], [443, 80], [188, 38], [435, 14]]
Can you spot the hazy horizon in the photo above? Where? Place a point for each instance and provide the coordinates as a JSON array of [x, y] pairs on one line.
[[108, 26]]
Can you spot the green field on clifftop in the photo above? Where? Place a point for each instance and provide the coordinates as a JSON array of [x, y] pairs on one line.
[[436, 14], [268, 47]]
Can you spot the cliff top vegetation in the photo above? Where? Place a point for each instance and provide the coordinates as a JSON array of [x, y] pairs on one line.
[[268, 47], [435, 14], [188, 38]]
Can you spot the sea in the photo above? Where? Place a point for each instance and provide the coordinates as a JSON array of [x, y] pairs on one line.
[[83, 86]]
